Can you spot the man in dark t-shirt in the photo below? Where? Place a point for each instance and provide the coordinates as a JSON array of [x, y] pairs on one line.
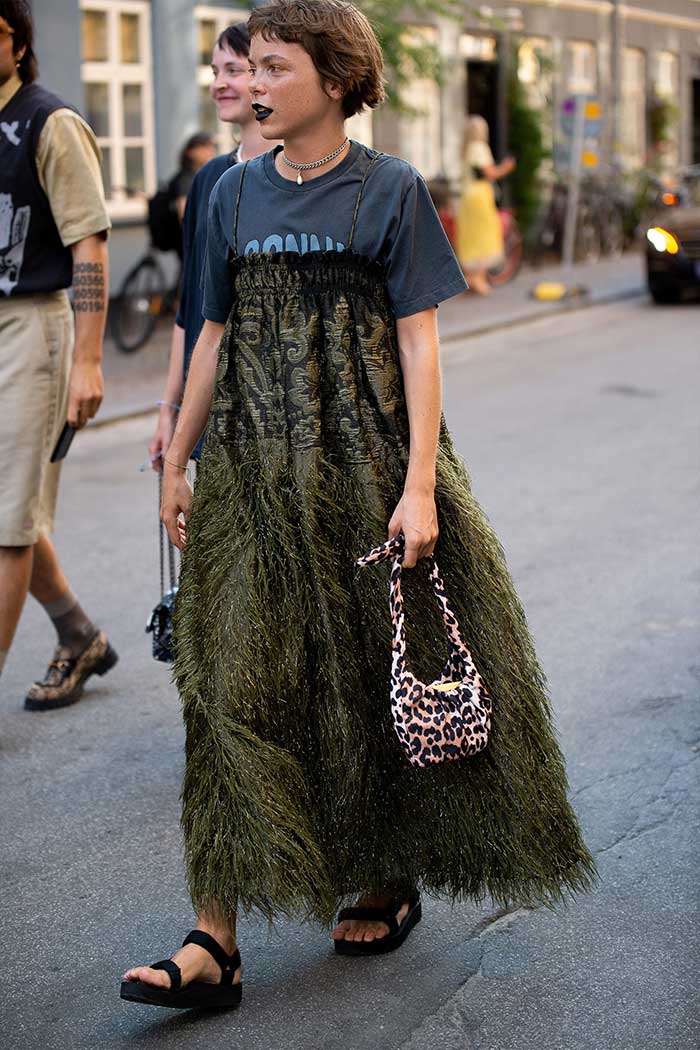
[[229, 90]]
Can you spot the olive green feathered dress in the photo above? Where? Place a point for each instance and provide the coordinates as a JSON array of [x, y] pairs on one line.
[[297, 794]]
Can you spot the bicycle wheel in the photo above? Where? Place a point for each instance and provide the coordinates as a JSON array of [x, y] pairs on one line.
[[138, 305], [613, 234], [587, 245]]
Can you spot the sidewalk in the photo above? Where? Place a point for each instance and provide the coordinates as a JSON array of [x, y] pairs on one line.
[[134, 382]]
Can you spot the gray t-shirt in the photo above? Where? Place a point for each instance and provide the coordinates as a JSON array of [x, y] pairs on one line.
[[397, 226]]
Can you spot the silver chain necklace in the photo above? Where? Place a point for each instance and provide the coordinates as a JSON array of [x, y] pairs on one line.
[[314, 163]]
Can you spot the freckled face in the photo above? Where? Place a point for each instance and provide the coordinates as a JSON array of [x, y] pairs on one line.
[[229, 87], [287, 89]]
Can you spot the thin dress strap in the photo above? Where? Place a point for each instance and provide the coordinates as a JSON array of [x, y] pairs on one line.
[[238, 204], [359, 199]]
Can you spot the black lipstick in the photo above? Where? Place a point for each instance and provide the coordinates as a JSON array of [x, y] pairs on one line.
[[261, 112]]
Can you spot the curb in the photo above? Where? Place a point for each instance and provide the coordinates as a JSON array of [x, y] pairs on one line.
[[582, 302]]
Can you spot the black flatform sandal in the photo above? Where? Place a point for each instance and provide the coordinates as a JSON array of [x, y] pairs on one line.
[[197, 994], [397, 932]]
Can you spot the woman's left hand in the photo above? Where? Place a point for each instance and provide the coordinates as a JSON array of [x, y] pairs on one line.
[[416, 517]]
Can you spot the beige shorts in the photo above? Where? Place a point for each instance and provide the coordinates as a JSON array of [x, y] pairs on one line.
[[36, 350]]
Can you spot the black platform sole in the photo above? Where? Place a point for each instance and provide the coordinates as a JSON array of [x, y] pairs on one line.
[[383, 944], [105, 664], [195, 996]]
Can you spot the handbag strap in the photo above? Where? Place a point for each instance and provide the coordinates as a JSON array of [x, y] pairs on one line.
[[394, 549], [164, 540]]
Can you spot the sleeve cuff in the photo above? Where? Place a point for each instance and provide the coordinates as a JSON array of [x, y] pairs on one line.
[[414, 306], [210, 313]]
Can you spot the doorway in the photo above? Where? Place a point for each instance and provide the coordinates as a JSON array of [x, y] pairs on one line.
[[482, 93], [695, 122]]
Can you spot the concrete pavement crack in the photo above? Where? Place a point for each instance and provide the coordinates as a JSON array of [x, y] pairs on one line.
[[454, 1025], [636, 830]]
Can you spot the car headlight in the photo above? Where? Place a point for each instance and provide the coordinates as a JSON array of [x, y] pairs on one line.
[[662, 240]]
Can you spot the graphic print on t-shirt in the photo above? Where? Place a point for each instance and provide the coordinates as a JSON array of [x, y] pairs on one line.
[[14, 229], [307, 242]]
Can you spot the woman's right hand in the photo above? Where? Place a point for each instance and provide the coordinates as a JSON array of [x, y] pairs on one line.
[[160, 442], [176, 504]]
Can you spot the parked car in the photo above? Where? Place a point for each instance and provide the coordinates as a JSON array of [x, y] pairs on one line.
[[672, 242]]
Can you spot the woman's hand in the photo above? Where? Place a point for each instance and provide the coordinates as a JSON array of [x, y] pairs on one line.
[[160, 442], [176, 504], [416, 517]]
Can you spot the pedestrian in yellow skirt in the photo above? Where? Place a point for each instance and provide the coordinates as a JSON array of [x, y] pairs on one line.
[[479, 231]]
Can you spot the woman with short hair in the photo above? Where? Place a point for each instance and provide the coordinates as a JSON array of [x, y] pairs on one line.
[[318, 371]]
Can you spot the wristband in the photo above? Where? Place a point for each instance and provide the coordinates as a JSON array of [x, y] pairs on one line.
[[168, 404]]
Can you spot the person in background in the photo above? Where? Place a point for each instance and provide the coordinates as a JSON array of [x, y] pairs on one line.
[[479, 230], [53, 235], [229, 90], [197, 151]]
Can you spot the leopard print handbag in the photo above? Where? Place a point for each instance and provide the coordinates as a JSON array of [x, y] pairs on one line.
[[451, 717]]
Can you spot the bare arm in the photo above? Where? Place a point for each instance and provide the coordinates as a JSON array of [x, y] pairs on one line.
[[177, 494], [494, 172], [416, 515], [90, 273], [172, 395]]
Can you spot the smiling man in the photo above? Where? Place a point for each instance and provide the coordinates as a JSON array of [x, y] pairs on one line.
[[229, 91], [318, 369]]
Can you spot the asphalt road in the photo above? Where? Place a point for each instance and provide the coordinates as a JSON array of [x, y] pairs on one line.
[[582, 437]]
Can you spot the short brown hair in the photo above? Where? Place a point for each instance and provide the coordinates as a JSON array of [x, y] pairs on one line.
[[339, 40]]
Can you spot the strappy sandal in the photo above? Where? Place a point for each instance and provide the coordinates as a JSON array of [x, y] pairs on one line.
[[398, 932], [197, 994]]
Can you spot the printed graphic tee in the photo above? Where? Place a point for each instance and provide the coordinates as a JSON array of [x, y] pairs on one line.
[[397, 226]]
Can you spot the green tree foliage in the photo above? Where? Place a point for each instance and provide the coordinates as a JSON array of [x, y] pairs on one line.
[[526, 144], [407, 55]]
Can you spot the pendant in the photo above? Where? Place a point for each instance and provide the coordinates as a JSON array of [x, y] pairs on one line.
[[300, 181]]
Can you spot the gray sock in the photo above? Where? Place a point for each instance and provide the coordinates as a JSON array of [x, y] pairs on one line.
[[73, 627]]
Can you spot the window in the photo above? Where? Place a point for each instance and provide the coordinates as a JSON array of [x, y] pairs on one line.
[[419, 133], [116, 73], [665, 83], [478, 48], [535, 66], [211, 21], [581, 68], [633, 106], [665, 74]]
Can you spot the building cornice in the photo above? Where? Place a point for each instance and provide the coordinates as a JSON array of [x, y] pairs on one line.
[[628, 11]]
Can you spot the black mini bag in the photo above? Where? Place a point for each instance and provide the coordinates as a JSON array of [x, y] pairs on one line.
[[160, 623]]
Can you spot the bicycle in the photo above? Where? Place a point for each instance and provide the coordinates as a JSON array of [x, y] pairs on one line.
[[144, 297]]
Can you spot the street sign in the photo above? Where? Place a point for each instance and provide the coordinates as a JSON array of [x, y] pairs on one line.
[[580, 123]]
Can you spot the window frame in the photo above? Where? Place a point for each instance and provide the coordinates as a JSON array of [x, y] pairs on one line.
[[116, 74], [422, 95], [633, 106], [574, 80]]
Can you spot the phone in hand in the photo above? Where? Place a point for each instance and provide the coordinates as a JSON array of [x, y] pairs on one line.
[[63, 443]]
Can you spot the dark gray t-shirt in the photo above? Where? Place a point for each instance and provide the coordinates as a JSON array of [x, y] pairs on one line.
[[397, 226]]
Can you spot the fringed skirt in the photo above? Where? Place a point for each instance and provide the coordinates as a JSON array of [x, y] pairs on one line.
[[297, 794]]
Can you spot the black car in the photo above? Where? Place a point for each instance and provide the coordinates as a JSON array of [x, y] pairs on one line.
[[672, 243]]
